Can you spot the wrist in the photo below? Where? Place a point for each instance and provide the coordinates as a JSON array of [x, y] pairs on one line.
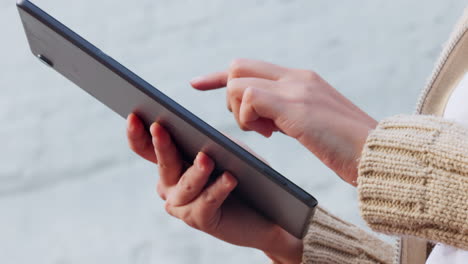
[[284, 248], [360, 140]]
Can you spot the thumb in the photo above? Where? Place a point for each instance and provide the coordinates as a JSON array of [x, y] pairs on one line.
[[259, 109]]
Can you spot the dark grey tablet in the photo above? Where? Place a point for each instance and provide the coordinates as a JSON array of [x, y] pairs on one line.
[[124, 92]]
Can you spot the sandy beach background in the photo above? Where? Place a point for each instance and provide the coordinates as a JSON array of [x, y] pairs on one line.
[[70, 189]]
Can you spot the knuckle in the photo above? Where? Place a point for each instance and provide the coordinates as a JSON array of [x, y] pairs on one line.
[[248, 96], [188, 219], [186, 216], [232, 83], [233, 98], [191, 222], [233, 89], [185, 185], [309, 75], [243, 126], [160, 191], [229, 90], [168, 208], [209, 198], [236, 67]]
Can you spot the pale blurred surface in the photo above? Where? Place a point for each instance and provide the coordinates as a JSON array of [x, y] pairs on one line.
[[70, 189]]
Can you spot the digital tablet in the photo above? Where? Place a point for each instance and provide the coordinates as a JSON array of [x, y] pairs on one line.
[[121, 90]]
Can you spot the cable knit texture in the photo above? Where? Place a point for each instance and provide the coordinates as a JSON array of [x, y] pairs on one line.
[[413, 179], [332, 240]]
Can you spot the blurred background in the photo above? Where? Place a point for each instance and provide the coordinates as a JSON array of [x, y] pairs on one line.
[[70, 189]]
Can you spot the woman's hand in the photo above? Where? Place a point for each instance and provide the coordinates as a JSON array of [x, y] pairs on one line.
[[208, 206], [267, 98]]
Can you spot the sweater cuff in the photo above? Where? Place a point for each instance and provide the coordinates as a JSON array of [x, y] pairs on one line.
[[332, 240], [413, 179]]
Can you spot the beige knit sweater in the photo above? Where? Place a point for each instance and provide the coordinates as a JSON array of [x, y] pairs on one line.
[[413, 180]]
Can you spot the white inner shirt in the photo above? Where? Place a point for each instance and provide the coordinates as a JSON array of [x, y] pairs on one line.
[[456, 110]]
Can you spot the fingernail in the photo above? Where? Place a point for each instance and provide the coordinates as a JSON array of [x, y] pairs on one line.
[[198, 161], [130, 126], [154, 139], [226, 179], [153, 128]]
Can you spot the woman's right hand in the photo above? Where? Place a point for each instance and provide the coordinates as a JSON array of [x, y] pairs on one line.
[[208, 206], [266, 98]]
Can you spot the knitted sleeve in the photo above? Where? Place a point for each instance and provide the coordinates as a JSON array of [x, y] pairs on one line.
[[413, 179], [332, 240]]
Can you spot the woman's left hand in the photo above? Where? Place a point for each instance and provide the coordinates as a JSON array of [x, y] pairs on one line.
[[208, 206]]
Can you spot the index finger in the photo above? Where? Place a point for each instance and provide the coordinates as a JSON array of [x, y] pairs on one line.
[[240, 68], [169, 160], [211, 81], [245, 68]]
